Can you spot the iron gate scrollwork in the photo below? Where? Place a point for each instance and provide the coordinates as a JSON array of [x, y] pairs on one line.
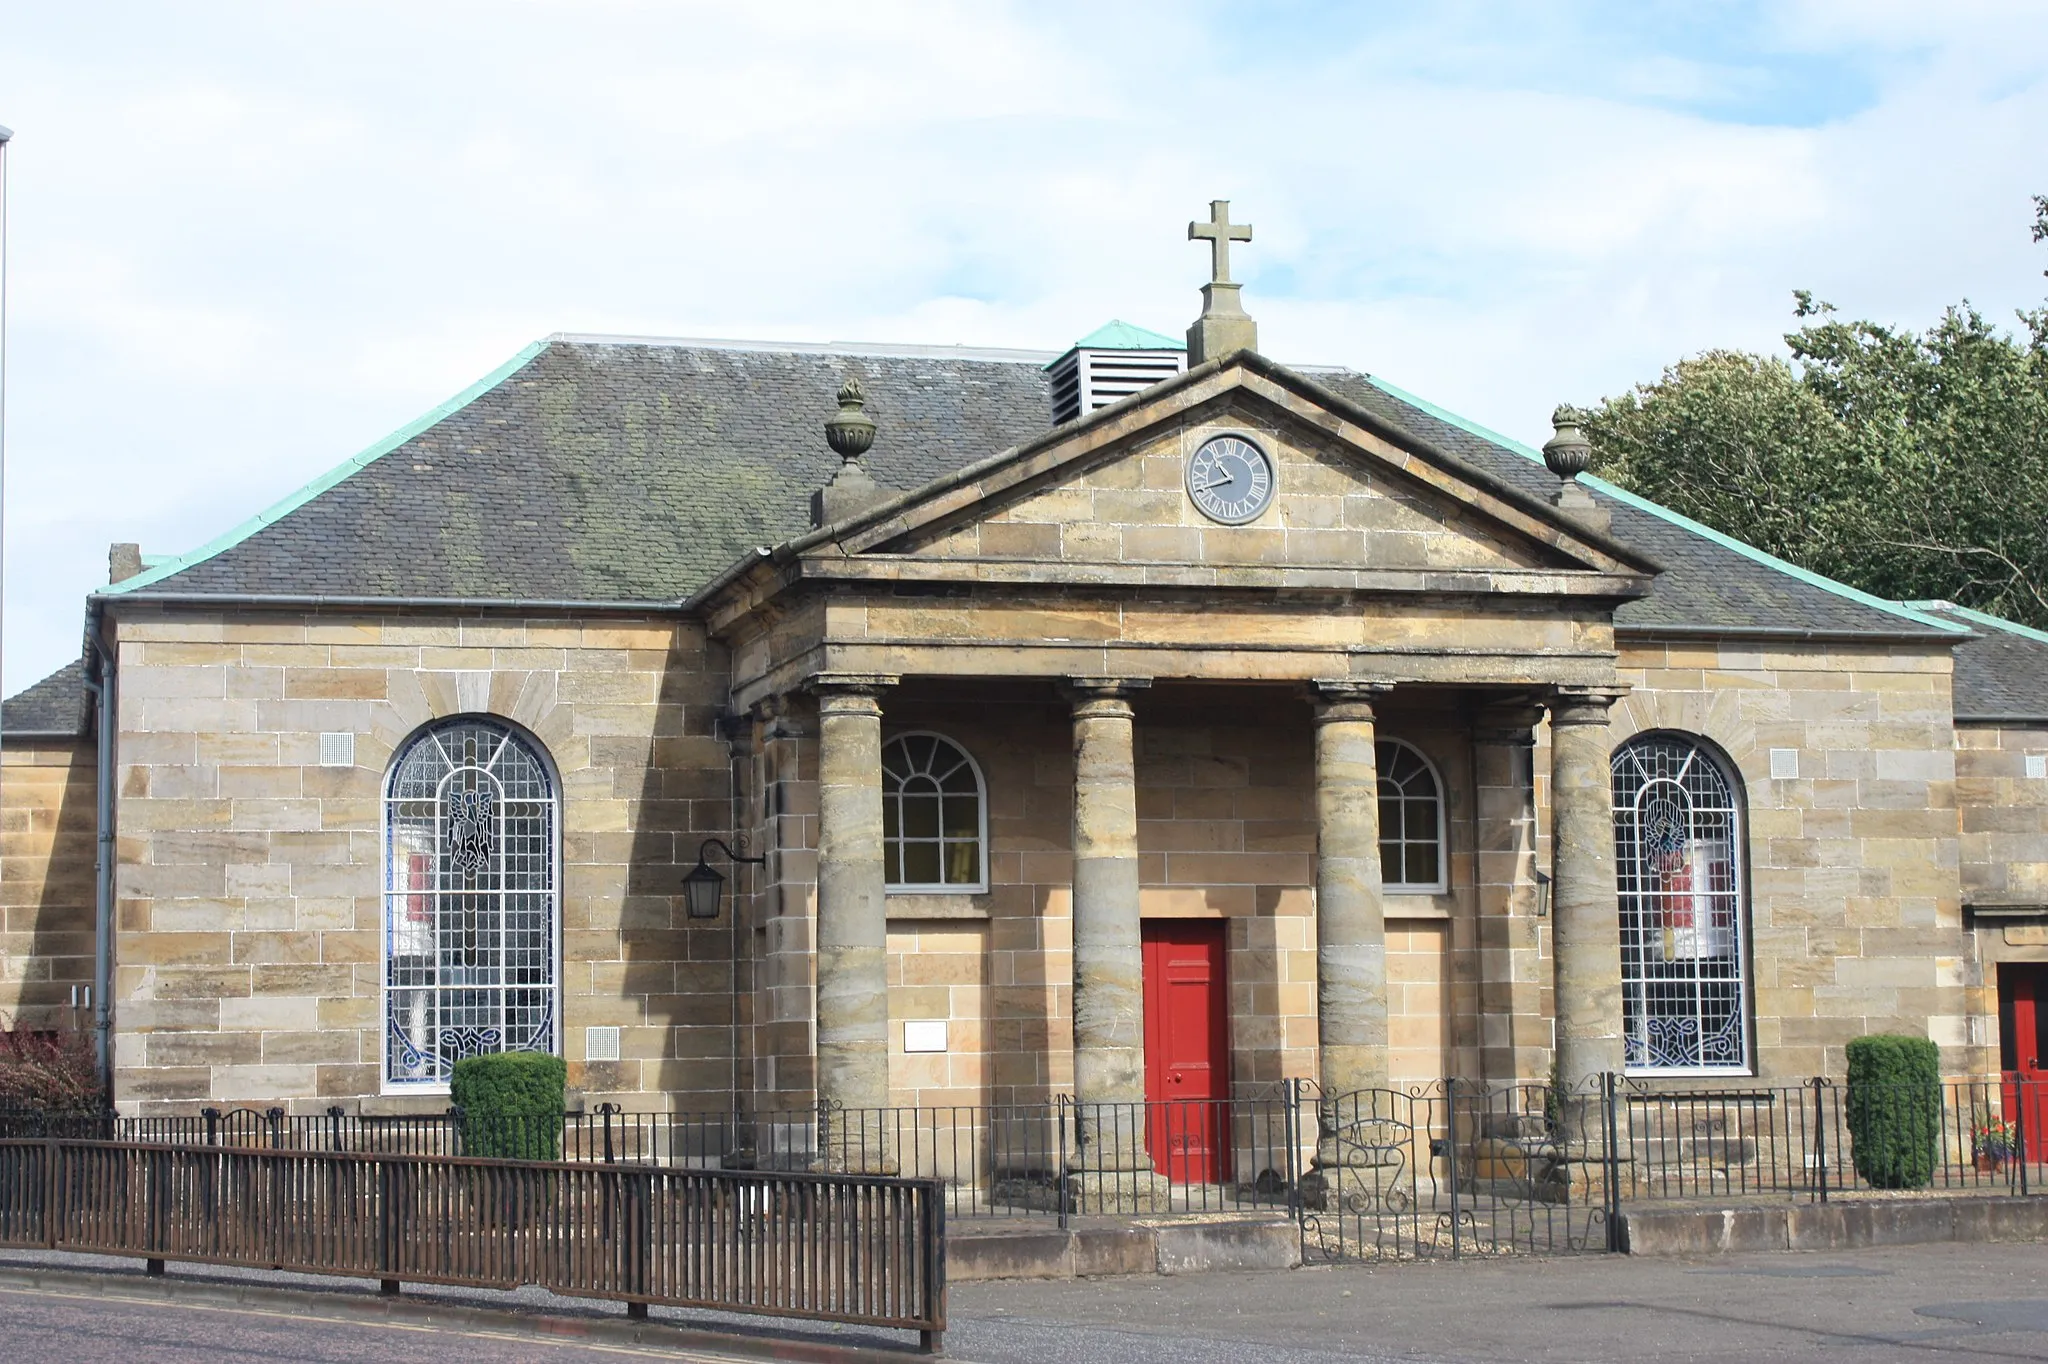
[[1456, 1169]]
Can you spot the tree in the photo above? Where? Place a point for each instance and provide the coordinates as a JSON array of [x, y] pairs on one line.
[[1910, 465]]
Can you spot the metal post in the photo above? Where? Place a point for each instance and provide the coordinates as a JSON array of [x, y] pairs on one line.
[[1820, 1137], [1609, 1100], [2019, 1125], [1060, 1177], [1451, 1159]]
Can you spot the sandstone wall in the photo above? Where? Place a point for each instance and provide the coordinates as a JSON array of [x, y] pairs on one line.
[[2004, 811], [47, 837], [249, 890], [1854, 882]]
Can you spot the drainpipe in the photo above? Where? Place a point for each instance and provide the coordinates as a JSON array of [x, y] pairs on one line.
[[104, 698]]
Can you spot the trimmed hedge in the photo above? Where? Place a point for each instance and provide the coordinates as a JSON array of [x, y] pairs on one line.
[[512, 1104], [1894, 1109]]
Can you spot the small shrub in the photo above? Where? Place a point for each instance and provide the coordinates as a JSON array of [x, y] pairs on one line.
[[511, 1104], [1894, 1109], [49, 1072]]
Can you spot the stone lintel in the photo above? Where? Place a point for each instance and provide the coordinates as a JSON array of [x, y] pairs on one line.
[[1208, 660], [1054, 576]]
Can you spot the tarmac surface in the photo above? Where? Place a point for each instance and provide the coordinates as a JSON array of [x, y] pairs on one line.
[[1918, 1303]]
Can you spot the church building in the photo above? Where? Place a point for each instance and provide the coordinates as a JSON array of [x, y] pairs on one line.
[[761, 725]]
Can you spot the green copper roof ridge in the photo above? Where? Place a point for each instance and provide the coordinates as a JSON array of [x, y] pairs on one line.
[[1679, 519], [2011, 627], [277, 511], [1093, 341]]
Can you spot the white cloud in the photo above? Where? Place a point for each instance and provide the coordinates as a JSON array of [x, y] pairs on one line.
[[250, 239]]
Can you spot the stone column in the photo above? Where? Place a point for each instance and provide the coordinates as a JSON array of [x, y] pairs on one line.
[[853, 977], [1109, 1006], [1584, 906], [1351, 916], [1514, 1041]]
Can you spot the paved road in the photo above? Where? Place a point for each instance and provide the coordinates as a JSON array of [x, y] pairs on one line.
[[1922, 1303], [1918, 1303], [58, 1328]]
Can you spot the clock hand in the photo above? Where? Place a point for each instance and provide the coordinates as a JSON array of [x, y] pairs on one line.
[[1221, 482]]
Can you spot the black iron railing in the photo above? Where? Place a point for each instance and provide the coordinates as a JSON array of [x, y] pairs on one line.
[[1453, 1168], [861, 1249]]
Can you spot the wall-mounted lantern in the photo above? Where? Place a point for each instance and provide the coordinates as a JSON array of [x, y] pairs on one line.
[[703, 886]]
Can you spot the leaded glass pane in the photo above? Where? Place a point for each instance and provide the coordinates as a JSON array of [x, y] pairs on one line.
[[470, 900], [1678, 868]]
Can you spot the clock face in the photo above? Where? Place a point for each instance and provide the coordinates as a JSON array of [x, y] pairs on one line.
[[1230, 480]]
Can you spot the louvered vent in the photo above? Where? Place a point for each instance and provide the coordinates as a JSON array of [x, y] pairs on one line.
[[1115, 362]]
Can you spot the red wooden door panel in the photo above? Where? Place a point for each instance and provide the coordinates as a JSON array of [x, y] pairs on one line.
[[1187, 1050], [2023, 1047]]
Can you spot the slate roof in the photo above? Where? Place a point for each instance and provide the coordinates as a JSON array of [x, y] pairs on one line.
[[55, 705], [2002, 674], [617, 470]]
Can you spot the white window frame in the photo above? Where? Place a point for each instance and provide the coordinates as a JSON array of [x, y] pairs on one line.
[[386, 892], [1443, 844], [981, 827], [1635, 983]]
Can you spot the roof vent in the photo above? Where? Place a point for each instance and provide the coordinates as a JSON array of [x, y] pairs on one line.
[[1111, 362]]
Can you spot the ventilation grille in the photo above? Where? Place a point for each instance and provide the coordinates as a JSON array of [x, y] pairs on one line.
[[1084, 379]]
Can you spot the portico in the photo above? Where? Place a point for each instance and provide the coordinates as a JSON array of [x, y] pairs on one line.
[[1067, 594]]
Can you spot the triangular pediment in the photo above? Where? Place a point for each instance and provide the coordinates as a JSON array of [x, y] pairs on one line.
[[1349, 495]]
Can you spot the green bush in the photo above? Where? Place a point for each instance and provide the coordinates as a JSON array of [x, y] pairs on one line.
[[511, 1104], [1894, 1109]]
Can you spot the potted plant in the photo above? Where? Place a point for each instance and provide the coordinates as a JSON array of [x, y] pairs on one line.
[[1993, 1141]]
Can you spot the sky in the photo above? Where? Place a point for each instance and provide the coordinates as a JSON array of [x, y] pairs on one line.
[[245, 241]]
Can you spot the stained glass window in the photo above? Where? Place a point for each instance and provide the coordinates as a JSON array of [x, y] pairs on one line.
[[469, 900], [1679, 867], [934, 816], [1411, 819]]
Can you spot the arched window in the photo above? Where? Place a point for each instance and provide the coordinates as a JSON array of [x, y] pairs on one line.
[[1679, 854], [470, 835], [934, 816], [1411, 819]]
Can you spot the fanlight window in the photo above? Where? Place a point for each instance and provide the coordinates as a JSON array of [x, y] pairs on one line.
[[1679, 867], [469, 902], [1411, 819], [934, 816]]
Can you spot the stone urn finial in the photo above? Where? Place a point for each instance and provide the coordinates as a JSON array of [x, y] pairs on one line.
[[850, 430], [1568, 453]]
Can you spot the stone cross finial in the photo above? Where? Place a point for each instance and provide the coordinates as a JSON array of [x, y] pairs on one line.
[[1219, 232], [1224, 326]]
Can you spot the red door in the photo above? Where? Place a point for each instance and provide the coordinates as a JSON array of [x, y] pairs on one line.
[[1187, 1050], [2023, 1046]]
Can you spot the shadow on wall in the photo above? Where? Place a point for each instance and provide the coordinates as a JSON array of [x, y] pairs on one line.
[[46, 883]]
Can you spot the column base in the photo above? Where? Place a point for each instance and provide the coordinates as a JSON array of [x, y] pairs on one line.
[[1118, 1193], [858, 1160]]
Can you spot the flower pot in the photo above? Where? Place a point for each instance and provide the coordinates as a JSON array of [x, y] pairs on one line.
[[1989, 1165]]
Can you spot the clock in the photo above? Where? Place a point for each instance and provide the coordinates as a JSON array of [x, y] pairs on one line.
[[1230, 480]]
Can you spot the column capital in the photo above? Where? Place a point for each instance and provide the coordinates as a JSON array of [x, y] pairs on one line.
[[1583, 705], [1344, 698], [1511, 723], [824, 685], [1102, 696]]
